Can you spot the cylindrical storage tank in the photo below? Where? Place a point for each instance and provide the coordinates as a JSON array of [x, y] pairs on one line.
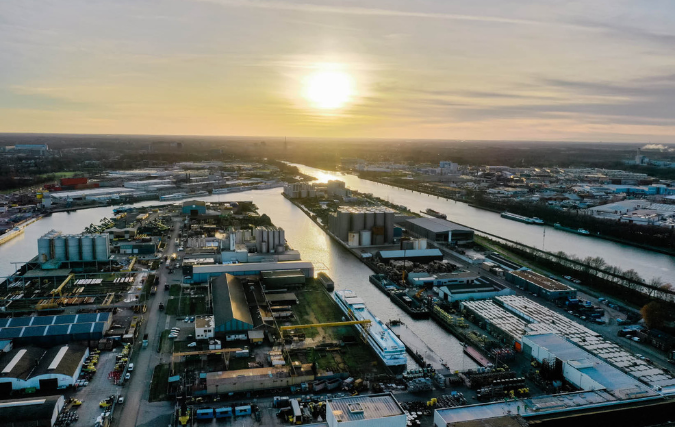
[[378, 239], [343, 218], [247, 235], [366, 237], [389, 227], [282, 237], [370, 220], [280, 249], [353, 239], [258, 239], [87, 245], [358, 221], [273, 240], [60, 248], [303, 193], [74, 248], [379, 219], [44, 248], [101, 247], [264, 247], [422, 243], [239, 236]]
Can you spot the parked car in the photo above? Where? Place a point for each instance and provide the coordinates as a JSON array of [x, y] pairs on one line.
[[131, 367], [127, 376], [120, 400], [192, 344]]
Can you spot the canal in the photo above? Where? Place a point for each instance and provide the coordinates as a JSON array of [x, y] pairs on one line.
[[646, 263], [302, 234]]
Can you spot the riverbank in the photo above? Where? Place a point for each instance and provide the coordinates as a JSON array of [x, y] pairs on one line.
[[499, 211]]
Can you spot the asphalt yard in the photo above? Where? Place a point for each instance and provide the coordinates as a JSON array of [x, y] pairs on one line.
[[99, 388]]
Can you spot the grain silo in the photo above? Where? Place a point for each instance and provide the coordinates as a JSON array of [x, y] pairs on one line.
[[389, 226], [370, 220], [45, 247], [357, 221], [60, 248], [343, 224], [353, 239], [73, 248], [101, 247], [87, 245], [365, 237], [379, 219]]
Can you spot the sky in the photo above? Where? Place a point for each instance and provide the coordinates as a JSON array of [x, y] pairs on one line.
[[486, 69]]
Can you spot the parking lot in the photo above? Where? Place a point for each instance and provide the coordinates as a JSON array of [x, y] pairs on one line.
[[99, 388]]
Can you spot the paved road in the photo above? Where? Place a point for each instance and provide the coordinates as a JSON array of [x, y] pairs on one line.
[[138, 388]]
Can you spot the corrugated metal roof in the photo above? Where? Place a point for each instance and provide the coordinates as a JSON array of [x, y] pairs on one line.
[[410, 253], [437, 225], [229, 300], [364, 407]]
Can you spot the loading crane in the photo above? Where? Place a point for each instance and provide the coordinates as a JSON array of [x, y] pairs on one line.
[[47, 304]]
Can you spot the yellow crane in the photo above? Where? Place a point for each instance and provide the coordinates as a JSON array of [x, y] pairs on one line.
[[131, 266], [44, 304]]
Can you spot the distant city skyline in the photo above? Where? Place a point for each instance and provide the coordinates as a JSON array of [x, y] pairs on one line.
[[484, 70]]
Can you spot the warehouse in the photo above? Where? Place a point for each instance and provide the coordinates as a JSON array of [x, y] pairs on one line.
[[581, 369], [282, 279], [365, 411], [45, 370], [540, 285], [54, 330], [33, 412], [481, 288], [439, 230], [423, 256], [231, 311], [194, 208], [202, 273]]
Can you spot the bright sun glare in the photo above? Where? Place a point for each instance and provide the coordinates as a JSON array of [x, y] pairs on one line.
[[329, 90]]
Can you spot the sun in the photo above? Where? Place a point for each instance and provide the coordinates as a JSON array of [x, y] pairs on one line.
[[328, 90]]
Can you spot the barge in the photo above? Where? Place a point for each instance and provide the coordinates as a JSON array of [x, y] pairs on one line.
[[523, 219], [386, 345], [572, 230], [326, 281], [435, 214], [14, 232]]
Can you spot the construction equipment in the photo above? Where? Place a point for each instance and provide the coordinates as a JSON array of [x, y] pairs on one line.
[[131, 266], [419, 293], [47, 304]]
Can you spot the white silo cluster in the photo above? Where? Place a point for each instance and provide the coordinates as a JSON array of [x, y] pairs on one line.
[[270, 239], [73, 247], [363, 226]]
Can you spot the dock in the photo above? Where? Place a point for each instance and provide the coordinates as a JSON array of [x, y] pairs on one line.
[[419, 350], [476, 356]]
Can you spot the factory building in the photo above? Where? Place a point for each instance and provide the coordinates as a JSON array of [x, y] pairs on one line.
[[439, 230], [55, 247], [194, 208], [540, 285], [363, 226], [299, 190], [582, 369], [423, 256], [257, 379], [202, 273], [53, 330], [377, 410], [46, 370], [283, 279], [231, 312], [481, 288], [138, 248], [40, 411]]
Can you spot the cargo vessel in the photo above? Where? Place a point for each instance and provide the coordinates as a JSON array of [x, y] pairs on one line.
[[326, 281], [386, 345], [523, 219], [384, 284], [572, 230], [435, 214], [413, 307]]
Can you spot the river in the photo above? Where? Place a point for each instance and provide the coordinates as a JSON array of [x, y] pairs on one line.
[[648, 264], [301, 233]]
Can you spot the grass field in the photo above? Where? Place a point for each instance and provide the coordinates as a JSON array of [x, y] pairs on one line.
[[317, 306]]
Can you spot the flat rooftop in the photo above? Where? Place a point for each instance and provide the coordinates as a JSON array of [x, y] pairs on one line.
[[541, 281], [437, 225], [359, 408]]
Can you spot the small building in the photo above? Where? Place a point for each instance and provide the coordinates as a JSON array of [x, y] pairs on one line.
[[138, 248], [232, 314], [417, 255], [34, 412], [194, 208], [540, 285], [204, 327], [439, 230], [377, 410], [282, 279]]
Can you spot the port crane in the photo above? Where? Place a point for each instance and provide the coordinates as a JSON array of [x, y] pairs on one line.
[[43, 305]]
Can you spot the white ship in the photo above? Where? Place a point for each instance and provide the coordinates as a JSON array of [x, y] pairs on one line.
[[384, 342], [175, 196]]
